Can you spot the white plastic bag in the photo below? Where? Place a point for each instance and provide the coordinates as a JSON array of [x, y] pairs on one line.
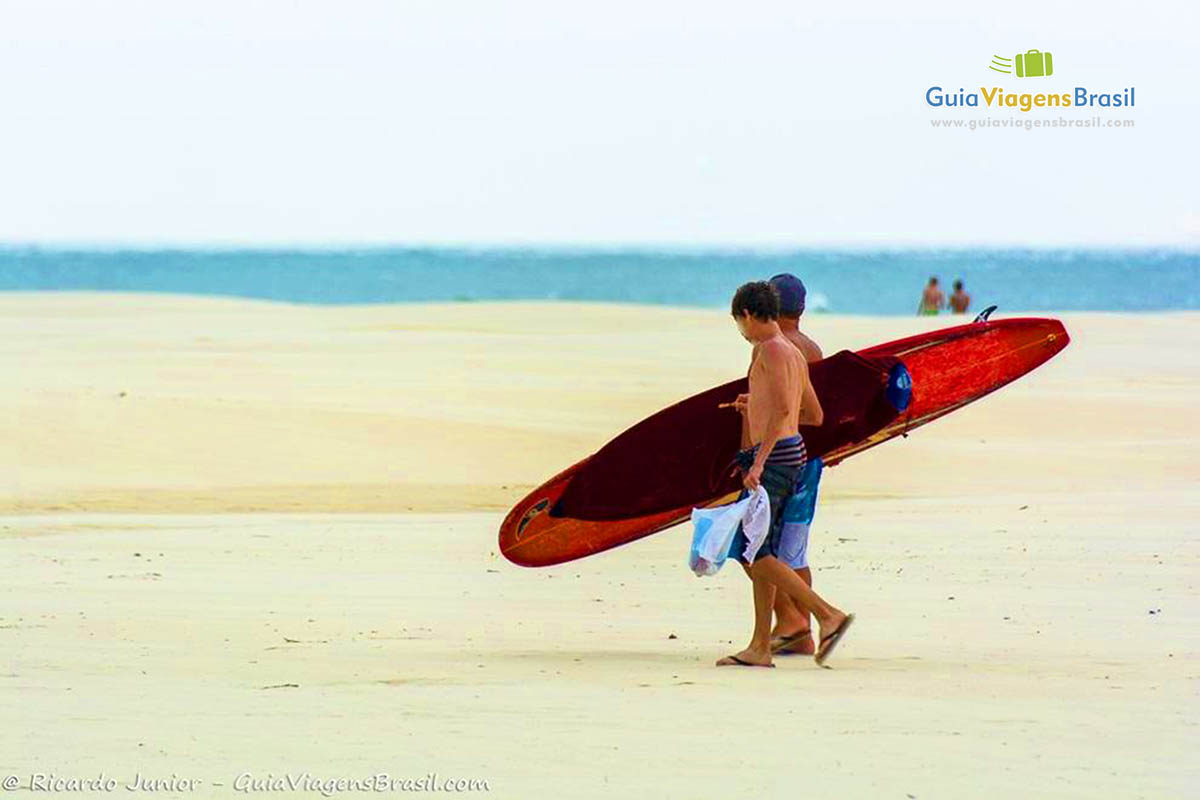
[[713, 530], [756, 522]]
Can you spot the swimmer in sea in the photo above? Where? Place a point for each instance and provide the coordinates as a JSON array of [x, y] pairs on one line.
[[960, 301], [932, 299]]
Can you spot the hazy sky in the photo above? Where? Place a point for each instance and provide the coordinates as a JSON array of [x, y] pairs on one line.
[[514, 121]]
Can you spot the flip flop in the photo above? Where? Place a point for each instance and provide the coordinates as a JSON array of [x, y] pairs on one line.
[[781, 645], [738, 662], [829, 642]]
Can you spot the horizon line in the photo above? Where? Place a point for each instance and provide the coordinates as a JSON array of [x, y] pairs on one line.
[[581, 246]]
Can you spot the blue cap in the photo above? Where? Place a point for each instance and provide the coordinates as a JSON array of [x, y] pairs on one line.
[[791, 294]]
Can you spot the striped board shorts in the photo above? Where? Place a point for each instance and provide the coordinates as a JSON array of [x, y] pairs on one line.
[[780, 471], [789, 452]]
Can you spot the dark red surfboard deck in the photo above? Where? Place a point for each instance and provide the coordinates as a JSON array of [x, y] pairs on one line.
[[686, 451], [652, 475]]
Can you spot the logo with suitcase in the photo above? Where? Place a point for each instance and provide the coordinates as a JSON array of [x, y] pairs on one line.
[[1030, 64]]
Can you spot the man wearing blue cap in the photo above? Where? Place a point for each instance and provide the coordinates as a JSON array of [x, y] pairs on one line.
[[793, 627], [792, 295]]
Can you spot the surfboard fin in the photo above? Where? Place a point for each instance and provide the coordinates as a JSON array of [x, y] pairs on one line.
[[983, 315]]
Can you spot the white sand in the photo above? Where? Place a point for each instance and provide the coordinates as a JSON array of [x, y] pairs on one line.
[[1057, 514]]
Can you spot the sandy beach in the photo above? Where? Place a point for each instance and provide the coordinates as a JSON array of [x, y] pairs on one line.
[[254, 537]]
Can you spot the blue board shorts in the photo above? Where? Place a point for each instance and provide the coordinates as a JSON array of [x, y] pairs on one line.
[[798, 514]]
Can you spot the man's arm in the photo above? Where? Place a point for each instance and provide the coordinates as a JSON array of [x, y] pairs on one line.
[[742, 408], [744, 400], [811, 412], [742, 405]]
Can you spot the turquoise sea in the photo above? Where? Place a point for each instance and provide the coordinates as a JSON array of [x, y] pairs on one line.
[[839, 281]]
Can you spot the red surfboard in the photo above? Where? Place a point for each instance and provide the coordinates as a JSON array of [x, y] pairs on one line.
[[652, 475]]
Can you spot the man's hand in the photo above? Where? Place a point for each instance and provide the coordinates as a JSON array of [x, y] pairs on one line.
[[740, 404], [750, 481]]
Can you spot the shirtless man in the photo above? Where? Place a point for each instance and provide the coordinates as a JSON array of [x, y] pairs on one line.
[[780, 397], [793, 628], [932, 299], [960, 301]]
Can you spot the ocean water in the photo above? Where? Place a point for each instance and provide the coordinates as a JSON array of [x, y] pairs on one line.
[[838, 281]]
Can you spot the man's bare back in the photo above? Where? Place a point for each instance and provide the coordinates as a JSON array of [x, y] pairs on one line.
[[960, 301], [932, 299], [807, 347]]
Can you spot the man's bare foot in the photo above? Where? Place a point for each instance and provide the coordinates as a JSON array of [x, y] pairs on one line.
[[785, 629], [747, 658], [830, 623], [799, 643], [832, 631]]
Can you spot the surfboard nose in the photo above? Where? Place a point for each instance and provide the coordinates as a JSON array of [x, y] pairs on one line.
[[1057, 338]]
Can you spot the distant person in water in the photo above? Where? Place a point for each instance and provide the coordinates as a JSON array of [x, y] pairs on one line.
[[932, 299], [960, 301], [781, 398]]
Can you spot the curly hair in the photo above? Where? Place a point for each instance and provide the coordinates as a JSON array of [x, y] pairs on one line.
[[759, 298]]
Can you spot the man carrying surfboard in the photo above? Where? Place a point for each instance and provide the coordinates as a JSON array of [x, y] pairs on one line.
[[793, 628], [780, 396]]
